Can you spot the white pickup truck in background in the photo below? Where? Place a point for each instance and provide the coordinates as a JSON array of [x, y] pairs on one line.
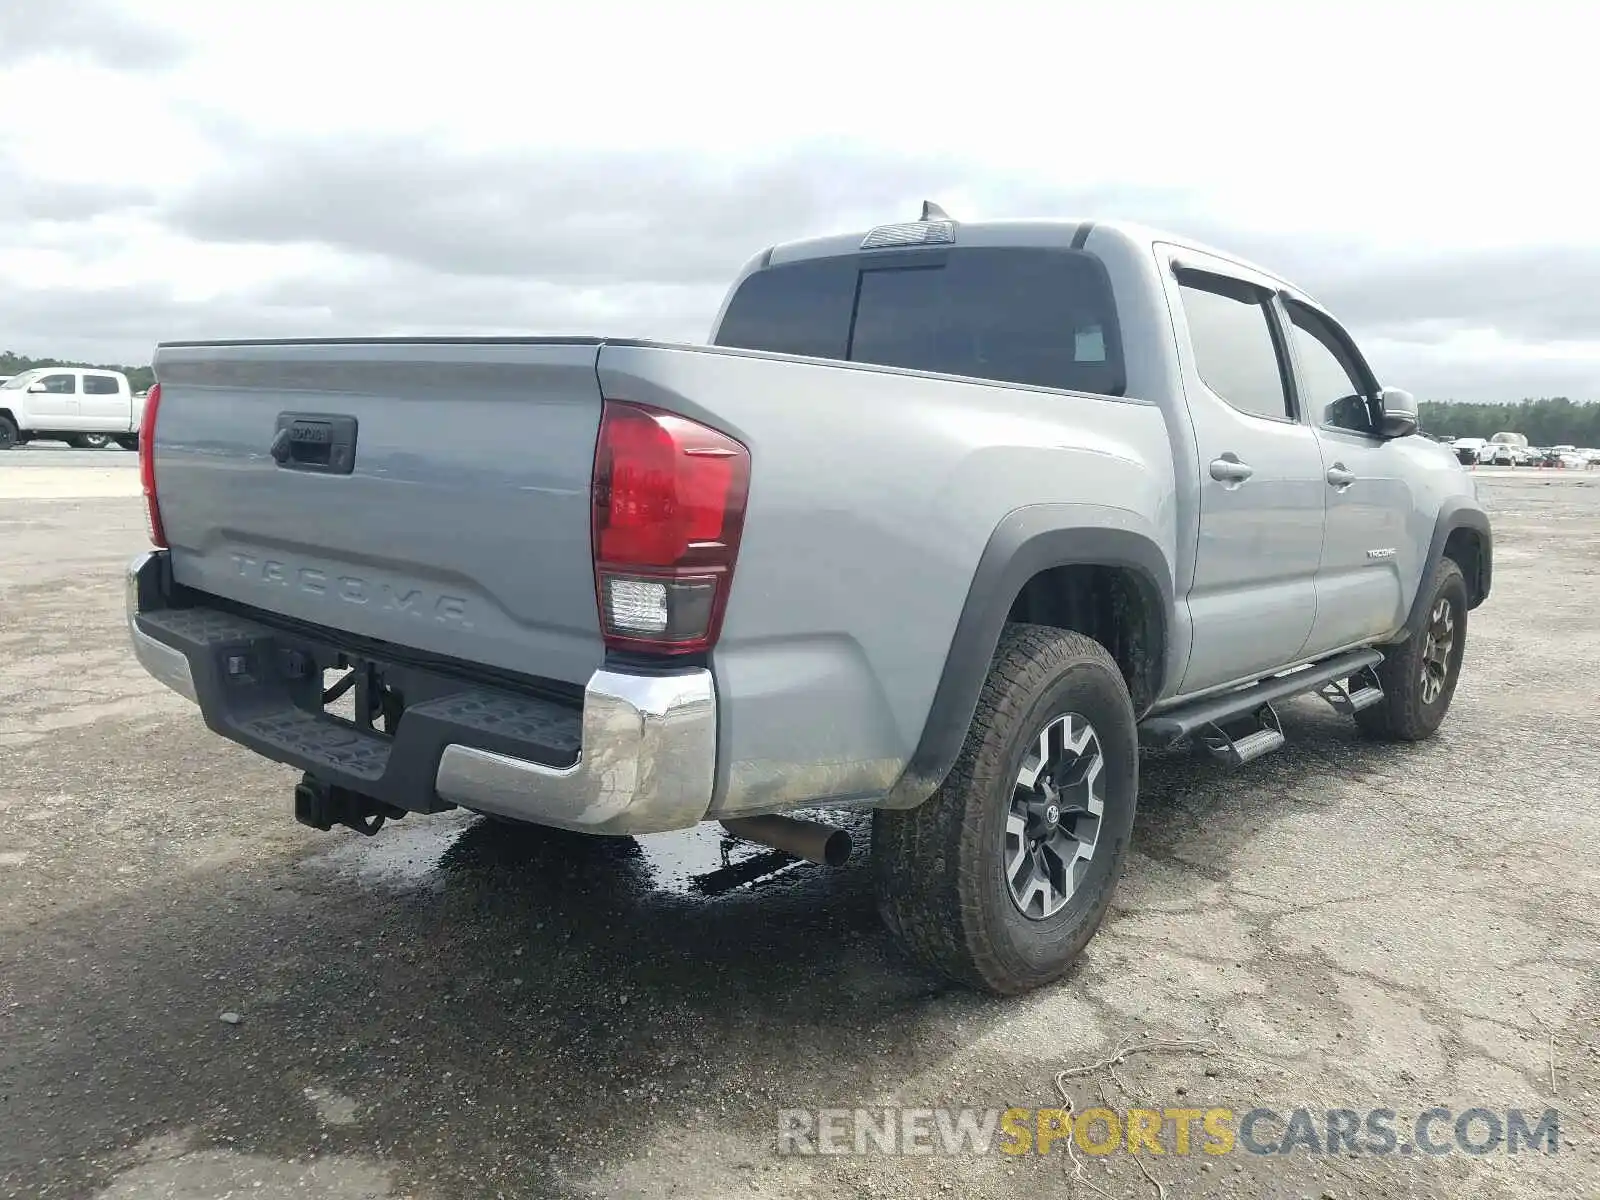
[[81, 406]]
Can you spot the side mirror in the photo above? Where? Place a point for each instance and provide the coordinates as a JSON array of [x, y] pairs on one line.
[[1397, 413], [36, 387]]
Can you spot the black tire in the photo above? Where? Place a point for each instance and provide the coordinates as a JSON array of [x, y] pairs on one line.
[[1411, 710], [8, 433], [94, 441], [128, 441], [940, 868]]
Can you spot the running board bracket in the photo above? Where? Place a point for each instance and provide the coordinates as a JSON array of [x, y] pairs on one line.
[[1351, 695]]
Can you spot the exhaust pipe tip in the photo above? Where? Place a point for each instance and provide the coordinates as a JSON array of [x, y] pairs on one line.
[[836, 848], [814, 841]]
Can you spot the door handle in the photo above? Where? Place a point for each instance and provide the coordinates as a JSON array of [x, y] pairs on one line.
[[1228, 469], [1340, 477]]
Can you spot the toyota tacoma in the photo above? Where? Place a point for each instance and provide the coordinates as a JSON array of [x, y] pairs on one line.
[[947, 521]]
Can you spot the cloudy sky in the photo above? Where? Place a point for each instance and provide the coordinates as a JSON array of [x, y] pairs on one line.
[[226, 168]]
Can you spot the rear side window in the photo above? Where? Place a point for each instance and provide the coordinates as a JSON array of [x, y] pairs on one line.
[[1235, 348], [99, 385], [1013, 314]]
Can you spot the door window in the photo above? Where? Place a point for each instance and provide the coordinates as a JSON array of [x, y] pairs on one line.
[[1331, 380], [1235, 343], [99, 385], [59, 385]]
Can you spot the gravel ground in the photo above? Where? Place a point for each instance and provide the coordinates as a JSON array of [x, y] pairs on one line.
[[459, 1009]]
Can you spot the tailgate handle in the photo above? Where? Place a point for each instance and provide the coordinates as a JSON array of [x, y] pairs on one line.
[[321, 442]]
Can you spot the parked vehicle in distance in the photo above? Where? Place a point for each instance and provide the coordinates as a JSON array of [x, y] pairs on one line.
[[947, 520], [83, 407], [1466, 449]]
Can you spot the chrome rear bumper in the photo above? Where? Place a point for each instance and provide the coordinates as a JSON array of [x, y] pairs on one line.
[[648, 760]]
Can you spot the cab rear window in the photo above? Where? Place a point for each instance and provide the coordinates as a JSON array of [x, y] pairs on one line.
[[1012, 314]]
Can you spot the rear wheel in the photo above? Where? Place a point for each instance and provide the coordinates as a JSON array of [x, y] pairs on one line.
[[128, 441], [1002, 876], [1419, 676], [94, 441], [8, 433]]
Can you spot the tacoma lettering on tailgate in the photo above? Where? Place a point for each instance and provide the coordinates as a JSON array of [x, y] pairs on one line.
[[352, 589]]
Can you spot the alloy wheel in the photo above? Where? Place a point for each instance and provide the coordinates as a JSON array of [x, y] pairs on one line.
[[1441, 639], [1054, 820]]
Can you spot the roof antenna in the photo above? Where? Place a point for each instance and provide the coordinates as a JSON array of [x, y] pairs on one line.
[[932, 212]]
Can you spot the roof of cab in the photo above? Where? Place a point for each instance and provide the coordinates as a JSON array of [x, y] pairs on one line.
[[1064, 232]]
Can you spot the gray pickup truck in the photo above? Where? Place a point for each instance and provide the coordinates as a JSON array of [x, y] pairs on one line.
[[947, 520]]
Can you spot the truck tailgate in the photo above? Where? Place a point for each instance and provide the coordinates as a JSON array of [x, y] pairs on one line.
[[456, 523]]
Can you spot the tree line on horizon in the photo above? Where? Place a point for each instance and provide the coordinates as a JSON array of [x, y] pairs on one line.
[[1549, 421]]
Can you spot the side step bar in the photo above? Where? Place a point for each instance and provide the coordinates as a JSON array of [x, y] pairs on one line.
[[1244, 739], [1350, 696], [1208, 716]]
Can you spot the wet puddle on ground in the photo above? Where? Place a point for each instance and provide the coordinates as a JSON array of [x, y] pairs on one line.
[[705, 862]]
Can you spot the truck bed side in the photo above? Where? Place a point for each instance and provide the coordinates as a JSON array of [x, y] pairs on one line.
[[873, 495]]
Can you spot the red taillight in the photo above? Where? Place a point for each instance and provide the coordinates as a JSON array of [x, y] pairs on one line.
[[667, 507], [147, 464]]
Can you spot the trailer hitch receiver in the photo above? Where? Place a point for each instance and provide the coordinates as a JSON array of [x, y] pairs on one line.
[[323, 805]]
